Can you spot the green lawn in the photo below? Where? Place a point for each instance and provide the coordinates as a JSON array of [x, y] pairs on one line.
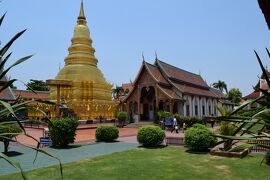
[[163, 163]]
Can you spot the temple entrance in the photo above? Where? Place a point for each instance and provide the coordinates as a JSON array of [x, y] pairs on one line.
[[145, 112], [148, 103]]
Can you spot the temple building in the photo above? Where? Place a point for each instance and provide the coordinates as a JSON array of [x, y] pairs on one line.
[[161, 86], [80, 84]]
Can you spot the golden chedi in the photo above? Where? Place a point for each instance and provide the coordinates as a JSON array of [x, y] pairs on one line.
[[80, 84]]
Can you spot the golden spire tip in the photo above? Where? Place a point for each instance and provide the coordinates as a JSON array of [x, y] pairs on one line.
[[81, 15]]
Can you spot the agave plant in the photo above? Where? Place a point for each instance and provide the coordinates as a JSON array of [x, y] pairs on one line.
[[243, 124], [7, 108]]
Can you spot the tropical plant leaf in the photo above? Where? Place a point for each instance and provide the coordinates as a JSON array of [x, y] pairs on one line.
[[268, 52], [14, 163], [2, 64], [7, 46], [45, 101], [15, 64], [246, 103], [262, 137], [2, 18], [8, 84], [262, 68]]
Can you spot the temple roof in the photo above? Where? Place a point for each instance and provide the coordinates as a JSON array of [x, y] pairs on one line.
[[196, 91], [27, 94], [217, 92], [156, 73], [173, 81], [253, 95], [184, 76]]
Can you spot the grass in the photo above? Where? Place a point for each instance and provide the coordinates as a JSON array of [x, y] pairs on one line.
[[161, 163]]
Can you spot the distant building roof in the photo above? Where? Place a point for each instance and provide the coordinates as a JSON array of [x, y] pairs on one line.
[[27, 94], [217, 92], [253, 95], [7, 95], [128, 86]]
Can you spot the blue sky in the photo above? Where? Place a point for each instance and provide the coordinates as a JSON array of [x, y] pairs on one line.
[[210, 37]]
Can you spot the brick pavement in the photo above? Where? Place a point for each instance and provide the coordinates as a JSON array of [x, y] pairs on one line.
[[83, 135]]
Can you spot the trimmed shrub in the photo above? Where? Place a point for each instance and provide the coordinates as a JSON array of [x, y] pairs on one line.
[[63, 131], [106, 133], [122, 117], [150, 136], [199, 126], [8, 128], [227, 129], [267, 157], [199, 138], [161, 115]]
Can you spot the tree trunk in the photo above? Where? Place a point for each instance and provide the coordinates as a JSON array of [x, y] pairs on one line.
[[6, 144]]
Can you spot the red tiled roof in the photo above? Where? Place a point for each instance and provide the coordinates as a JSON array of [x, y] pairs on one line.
[[170, 92], [7, 94], [156, 73], [253, 95], [25, 94], [128, 86], [194, 90], [182, 75], [263, 84]]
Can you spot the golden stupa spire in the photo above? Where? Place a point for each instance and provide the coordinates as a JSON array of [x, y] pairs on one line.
[[81, 15]]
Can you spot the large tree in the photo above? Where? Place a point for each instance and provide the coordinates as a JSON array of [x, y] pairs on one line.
[[235, 95], [221, 85], [37, 85]]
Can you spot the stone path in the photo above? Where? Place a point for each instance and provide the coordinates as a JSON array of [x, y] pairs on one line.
[[74, 153], [83, 135]]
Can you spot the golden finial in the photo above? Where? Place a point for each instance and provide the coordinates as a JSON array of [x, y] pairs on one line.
[[156, 55], [143, 57], [81, 15]]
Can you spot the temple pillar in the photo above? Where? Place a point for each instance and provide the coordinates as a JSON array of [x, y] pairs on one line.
[[139, 104], [157, 98], [171, 106]]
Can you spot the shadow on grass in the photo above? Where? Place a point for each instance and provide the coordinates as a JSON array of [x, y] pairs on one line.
[[115, 141], [153, 147], [73, 146], [197, 152], [13, 153]]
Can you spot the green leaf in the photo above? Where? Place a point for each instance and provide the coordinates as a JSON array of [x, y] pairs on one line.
[[2, 64], [10, 109], [246, 103], [263, 69], [2, 18], [8, 84], [7, 46], [14, 163], [15, 64]]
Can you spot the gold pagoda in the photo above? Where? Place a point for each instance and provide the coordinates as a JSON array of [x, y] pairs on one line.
[[80, 84]]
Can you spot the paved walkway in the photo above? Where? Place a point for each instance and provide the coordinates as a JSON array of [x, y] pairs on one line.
[[83, 135], [79, 151], [74, 153]]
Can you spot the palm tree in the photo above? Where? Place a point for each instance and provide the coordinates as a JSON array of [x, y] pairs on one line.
[[221, 85], [117, 92]]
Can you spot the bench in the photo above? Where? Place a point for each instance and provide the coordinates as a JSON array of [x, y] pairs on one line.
[[45, 141], [166, 122]]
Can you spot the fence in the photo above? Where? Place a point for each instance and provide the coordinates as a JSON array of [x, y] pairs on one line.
[[258, 149]]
